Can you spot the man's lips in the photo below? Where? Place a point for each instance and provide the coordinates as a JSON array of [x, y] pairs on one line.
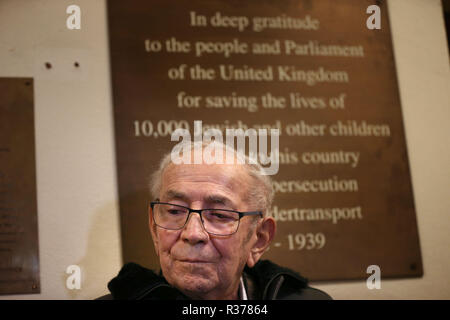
[[190, 260]]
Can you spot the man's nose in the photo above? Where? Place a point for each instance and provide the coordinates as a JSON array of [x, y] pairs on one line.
[[193, 232]]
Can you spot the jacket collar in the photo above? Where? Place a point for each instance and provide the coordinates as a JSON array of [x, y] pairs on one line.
[[265, 280]]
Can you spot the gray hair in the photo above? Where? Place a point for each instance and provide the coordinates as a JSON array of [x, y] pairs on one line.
[[260, 189]]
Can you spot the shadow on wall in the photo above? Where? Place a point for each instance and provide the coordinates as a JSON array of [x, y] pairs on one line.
[[106, 252], [97, 266]]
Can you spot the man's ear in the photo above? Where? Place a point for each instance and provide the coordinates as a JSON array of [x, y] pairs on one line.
[[152, 227], [265, 232]]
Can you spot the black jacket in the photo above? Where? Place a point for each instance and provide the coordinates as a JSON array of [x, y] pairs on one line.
[[265, 281]]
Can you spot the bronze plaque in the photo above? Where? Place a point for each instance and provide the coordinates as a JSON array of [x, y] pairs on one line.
[[313, 70], [19, 256]]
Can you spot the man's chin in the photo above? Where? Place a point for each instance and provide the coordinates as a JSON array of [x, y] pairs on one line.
[[196, 279]]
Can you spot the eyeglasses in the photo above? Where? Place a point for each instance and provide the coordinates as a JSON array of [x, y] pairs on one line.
[[220, 222]]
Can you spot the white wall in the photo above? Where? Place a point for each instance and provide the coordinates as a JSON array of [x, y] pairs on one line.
[[76, 180]]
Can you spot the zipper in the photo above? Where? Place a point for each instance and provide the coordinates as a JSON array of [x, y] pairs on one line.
[[277, 287]]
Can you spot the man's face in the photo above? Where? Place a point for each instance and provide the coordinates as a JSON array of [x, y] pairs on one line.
[[199, 264]]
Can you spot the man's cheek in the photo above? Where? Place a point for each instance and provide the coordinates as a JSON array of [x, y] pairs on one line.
[[167, 240], [227, 251]]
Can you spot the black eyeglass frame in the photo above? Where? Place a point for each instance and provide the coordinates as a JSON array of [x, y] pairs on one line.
[[200, 211]]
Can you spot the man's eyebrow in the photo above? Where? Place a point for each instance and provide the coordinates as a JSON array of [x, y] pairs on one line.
[[172, 194], [213, 198], [217, 199]]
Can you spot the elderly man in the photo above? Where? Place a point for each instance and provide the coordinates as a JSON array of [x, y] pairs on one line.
[[210, 229]]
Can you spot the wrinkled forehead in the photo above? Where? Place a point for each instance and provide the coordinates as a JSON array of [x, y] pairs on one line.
[[213, 153], [230, 180]]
